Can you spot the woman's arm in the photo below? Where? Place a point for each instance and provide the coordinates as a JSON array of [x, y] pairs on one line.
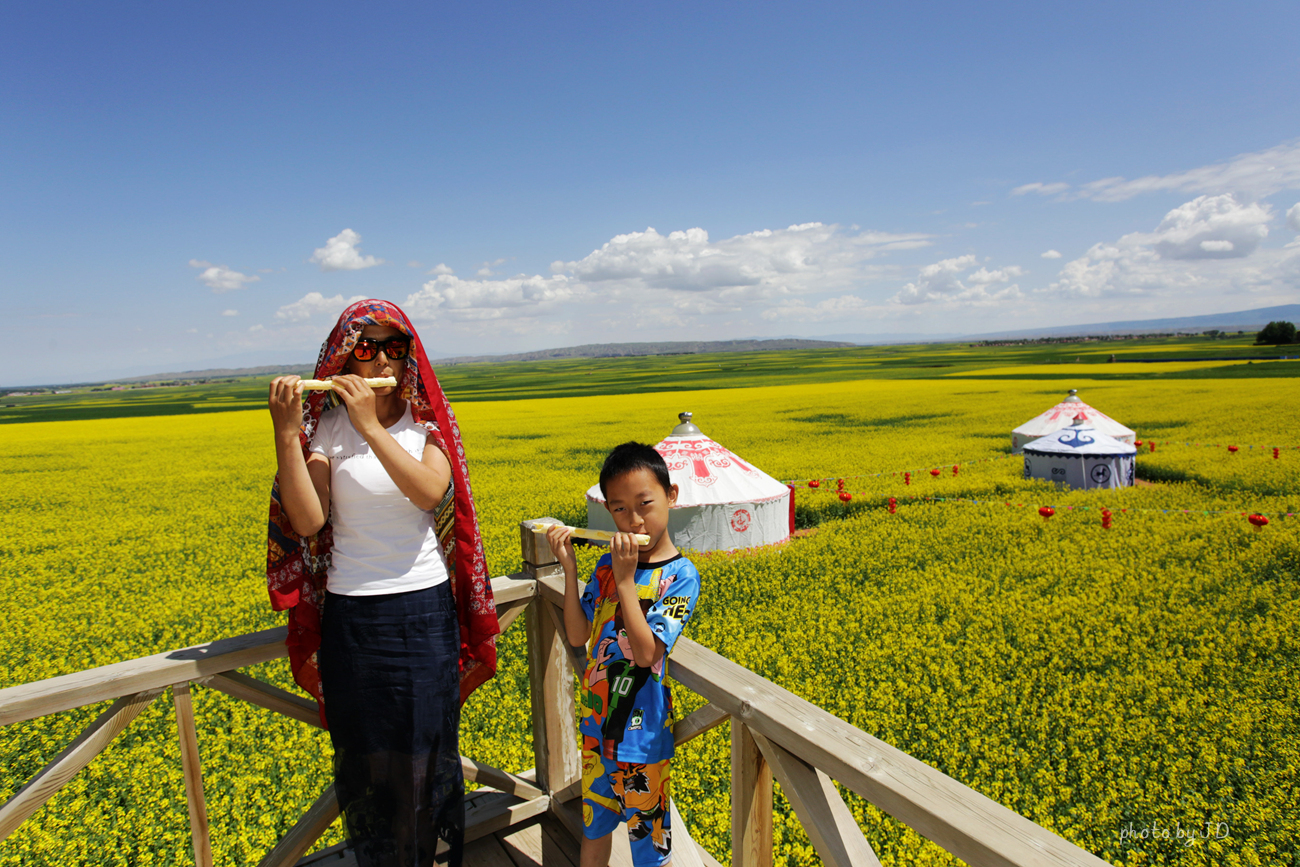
[[304, 483], [423, 481]]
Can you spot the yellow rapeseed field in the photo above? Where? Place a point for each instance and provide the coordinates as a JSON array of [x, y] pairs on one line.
[[1094, 680]]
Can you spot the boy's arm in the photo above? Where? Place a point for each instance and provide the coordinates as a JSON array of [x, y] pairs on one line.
[[577, 628], [647, 649]]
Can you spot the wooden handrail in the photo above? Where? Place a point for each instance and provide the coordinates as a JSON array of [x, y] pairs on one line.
[[972, 826], [107, 682]]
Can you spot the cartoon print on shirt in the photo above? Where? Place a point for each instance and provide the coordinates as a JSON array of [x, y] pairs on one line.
[[628, 707]]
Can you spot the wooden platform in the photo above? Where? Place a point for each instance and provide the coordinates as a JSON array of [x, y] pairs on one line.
[[550, 838], [543, 839]]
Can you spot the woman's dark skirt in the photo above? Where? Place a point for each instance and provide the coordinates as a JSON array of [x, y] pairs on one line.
[[391, 679]]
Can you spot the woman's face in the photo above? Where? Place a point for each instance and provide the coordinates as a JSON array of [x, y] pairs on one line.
[[381, 364]]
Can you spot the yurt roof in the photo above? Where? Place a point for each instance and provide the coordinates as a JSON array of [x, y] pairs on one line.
[[707, 473], [1064, 413], [1080, 438]]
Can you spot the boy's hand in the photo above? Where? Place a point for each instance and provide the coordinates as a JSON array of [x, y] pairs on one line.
[[560, 539], [624, 551]]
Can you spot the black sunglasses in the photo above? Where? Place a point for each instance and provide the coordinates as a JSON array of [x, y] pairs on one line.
[[396, 348]]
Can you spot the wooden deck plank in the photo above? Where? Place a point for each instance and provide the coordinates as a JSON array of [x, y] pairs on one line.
[[486, 852], [523, 843], [559, 842]]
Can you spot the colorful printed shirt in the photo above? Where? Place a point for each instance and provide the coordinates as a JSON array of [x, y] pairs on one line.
[[627, 711]]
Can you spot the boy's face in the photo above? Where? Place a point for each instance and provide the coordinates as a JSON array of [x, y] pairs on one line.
[[639, 504]]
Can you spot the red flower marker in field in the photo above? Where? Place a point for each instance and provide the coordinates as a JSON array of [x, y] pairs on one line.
[[1152, 445], [893, 505], [1232, 449], [1105, 519], [954, 469], [815, 483], [839, 483], [1137, 443], [1259, 521], [1047, 512], [1277, 453], [907, 478], [935, 472], [845, 496]]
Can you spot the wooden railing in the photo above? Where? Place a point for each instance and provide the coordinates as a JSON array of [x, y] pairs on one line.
[[774, 734]]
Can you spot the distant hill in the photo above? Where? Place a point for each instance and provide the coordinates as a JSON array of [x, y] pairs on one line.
[[1242, 320], [664, 347], [589, 350]]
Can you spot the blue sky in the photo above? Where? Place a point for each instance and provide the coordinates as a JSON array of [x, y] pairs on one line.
[[187, 185]]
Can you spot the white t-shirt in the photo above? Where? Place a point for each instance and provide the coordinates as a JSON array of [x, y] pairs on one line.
[[383, 543]]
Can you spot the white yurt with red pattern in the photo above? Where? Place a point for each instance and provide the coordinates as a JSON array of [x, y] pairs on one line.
[[723, 502], [1062, 416]]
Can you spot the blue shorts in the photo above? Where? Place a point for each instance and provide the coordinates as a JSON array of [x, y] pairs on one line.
[[613, 792]]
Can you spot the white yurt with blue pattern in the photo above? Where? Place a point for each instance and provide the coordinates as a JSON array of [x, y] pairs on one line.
[[1080, 456]]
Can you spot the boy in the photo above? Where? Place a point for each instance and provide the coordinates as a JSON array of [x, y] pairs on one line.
[[628, 615]]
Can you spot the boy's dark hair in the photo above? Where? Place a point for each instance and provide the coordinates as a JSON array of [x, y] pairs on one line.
[[630, 457]]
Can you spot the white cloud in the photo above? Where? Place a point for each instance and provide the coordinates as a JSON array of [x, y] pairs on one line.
[[802, 258], [1253, 176], [675, 276], [1209, 227], [942, 283], [1208, 246], [1041, 189], [440, 269], [1293, 217], [313, 304], [485, 270], [340, 254], [840, 307], [521, 296], [256, 328], [1051, 254], [229, 312], [219, 278]]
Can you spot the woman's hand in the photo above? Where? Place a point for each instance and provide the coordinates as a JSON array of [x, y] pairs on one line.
[[359, 398], [560, 539], [285, 401], [624, 551]]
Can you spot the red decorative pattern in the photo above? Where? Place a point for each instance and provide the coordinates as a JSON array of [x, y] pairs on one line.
[[740, 520], [702, 456]]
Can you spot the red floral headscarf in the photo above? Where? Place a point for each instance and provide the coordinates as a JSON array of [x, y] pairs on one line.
[[296, 567]]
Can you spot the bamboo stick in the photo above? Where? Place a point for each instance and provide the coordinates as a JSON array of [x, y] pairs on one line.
[[593, 535], [328, 384]]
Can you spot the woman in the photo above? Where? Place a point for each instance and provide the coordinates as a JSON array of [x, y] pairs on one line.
[[390, 626]]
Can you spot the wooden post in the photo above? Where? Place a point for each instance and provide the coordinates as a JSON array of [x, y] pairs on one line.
[[751, 801], [192, 766], [555, 743]]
